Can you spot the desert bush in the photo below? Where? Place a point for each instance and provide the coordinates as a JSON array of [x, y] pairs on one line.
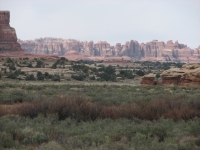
[[30, 77], [18, 72], [39, 64], [30, 65], [36, 138], [6, 140], [79, 77], [40, 76], [12, 67], [126, 74], [157, 75], [46, 74], [55, 77], [9, 60], [140, 73], [11, 75], [92, 78]]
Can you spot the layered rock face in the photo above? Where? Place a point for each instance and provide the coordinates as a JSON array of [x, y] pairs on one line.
[[8, 37], [151, 51], [188, 75], [149, 80]]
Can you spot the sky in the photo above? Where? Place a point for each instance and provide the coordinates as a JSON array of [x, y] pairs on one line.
[[114, 21]]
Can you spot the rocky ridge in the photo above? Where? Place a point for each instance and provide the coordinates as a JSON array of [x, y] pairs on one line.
[[152, 51], [188, 75]]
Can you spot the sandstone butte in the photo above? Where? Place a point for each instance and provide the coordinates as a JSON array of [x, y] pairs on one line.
[[9, 46], [8, 37], [131, 50], [188, 75]]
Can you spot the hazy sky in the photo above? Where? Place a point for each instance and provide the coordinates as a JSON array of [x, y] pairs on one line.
[[107, 20]]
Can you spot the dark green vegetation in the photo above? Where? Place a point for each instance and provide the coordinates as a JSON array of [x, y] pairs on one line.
[[99, 117], [50, 133], [64, 70], [159, 65]]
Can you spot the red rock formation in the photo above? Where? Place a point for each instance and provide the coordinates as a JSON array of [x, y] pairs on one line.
[[102, 48], [151, 51], [188, 75], [149, 80], [8, 37]]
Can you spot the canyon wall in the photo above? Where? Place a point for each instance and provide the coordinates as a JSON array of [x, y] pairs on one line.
[[8, 37], [151, 51]]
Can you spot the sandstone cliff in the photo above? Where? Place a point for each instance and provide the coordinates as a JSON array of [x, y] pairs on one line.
[[188, 75], [8, 37], [151, 51]]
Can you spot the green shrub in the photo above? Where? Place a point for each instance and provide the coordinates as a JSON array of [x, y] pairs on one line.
[[9, 60], [92, 78], [6, 140], [40, 76], [126, 74], [38, 138], [157, 75], [12, 67], [46, 74], [55, 77], [30, 65], [79, 77], [30, 77], [11, 75], [39, 64], [140, 73]]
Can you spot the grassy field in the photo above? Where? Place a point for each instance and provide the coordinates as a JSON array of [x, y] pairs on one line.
[[99, 116], [61, 104]]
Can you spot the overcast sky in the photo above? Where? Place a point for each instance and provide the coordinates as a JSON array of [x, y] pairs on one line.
[[107, 20]]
